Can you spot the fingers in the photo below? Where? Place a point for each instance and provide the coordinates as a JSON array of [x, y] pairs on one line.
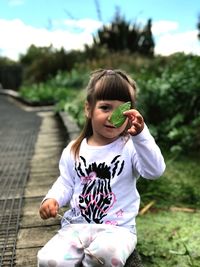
[[49, 208], [135, 129], [136, 120]]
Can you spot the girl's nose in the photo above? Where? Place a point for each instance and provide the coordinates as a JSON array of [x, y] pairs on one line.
[[109, 116]]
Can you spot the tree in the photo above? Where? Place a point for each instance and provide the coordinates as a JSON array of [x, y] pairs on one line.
[[146, 42], [121, 35], [198, 27], [41, 63], [33, 53]]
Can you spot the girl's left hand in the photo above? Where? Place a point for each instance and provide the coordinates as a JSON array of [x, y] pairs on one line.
[[136, 120]]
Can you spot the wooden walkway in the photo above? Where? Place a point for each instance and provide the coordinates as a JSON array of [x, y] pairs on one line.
[[34, 232]]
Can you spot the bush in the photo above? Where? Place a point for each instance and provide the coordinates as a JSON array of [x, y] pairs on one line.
[[171, 103], [60, 89]]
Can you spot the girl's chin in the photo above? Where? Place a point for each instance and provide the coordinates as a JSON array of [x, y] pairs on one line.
[[110, 137]]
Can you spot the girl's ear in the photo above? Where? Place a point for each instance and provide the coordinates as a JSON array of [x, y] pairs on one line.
[[87, 110]]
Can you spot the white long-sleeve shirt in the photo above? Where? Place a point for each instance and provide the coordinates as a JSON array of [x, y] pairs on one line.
[[101, 185]]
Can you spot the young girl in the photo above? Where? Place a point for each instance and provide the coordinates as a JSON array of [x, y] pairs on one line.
[[98, 174]]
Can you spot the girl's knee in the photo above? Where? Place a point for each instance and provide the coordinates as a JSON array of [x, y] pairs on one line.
[[41, 262], [105, 257]]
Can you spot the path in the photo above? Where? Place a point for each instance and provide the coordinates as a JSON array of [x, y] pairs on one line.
[[30, 147]]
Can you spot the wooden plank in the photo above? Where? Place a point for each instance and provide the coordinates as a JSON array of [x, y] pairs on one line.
[[26, 257], [35, 232], [36, 191], [30, 215], [35, 237]]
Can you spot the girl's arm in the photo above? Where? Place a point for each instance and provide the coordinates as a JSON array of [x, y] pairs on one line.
[[63, 187], [148, 159]]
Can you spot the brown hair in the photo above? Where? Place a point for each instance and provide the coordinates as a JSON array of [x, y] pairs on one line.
[[105, 85]]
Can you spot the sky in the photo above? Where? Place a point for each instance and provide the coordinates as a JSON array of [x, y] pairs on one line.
[[72, 23]]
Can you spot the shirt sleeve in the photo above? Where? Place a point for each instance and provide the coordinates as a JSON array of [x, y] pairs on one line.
[[63, 187], [147, 159]]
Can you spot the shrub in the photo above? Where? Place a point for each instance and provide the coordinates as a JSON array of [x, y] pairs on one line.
[[60, 89], [171, 103]]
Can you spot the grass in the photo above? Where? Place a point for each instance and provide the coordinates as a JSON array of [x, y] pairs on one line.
[[169, 233], [168, 238]]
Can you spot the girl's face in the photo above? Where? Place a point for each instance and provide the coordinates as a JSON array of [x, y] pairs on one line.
[[103, 131]]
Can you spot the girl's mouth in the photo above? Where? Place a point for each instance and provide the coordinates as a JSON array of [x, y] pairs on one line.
[[110, 126]]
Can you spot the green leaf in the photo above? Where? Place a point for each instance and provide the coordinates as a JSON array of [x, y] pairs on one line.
[[117, 118]]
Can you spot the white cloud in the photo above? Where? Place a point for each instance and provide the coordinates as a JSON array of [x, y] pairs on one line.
[[180, 42], [163, 26], [16, 36], [169, 40]]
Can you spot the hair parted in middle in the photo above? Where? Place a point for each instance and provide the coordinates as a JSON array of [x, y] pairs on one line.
[[105, 84]]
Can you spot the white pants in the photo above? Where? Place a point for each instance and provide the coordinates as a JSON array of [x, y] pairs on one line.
[[89, 246]]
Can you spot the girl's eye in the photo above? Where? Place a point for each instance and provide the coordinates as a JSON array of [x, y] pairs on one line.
[[105, 107]]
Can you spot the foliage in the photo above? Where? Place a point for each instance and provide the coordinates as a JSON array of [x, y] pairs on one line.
[[75, 109], [178, 184], [132, 63], [121, 35], [42, 63], [4, 61], [40, 94], [166, 236], [171, 102], [60, 89], [164, 241], [73, 79]]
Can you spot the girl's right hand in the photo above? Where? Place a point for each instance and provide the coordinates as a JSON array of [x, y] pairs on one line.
[[49, 208], [136, 121]]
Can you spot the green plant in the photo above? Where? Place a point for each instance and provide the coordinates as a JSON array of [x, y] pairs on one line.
[[76, 109], [121, 35], [179, 183], [60, 89], [164, 241], [171, 102]]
